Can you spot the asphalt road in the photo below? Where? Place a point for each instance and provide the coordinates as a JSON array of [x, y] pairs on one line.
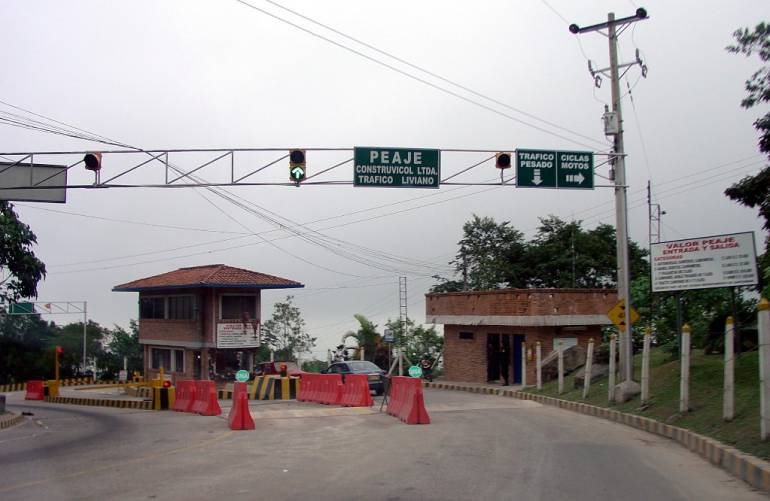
[[477, 447]]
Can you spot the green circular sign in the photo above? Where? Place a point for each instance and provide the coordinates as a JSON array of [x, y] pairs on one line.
[[242, 376], [415, 371]]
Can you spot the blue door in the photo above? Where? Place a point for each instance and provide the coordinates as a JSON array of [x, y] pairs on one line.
[[517, 340]]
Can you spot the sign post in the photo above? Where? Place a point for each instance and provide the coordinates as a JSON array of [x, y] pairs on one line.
[[555, 169], [396, 167]]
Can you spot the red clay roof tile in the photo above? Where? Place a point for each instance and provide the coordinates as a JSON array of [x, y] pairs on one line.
[[213, 275]]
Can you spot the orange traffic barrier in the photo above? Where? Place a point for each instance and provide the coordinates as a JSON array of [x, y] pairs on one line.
[[406, 400], [240, 417], [185, 396], [331, 389], [355, 391], [306, 387], [206, 403], [35, 391]]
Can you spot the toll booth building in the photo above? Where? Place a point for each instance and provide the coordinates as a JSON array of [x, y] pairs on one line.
[[201, 322], [484, 330]]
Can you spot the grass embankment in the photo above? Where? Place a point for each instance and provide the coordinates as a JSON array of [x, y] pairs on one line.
[[705, 416]]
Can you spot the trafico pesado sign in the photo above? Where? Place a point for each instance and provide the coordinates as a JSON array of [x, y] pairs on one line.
[[703, 263], [236, 335], [396, 167]]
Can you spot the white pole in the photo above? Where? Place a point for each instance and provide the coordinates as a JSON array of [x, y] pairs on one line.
[[539, 365], [587, 370], [523, 364], [646, 367], [362, 353], [763, 324], [684, 387], [728, 400], [561, 367], [611, 377], [85, 324], [125, 363]]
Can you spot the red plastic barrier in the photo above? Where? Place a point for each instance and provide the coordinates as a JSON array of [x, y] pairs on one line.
[[35, 391], [355, 391], [331, 389], [306, 388], [206, 403], [240, 417], [406, 400], [185, 396]]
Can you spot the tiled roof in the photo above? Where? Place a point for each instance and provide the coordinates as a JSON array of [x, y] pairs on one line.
[[209, 276]]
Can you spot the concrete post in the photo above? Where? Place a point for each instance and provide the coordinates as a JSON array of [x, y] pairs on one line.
[[561, 367], [611, 376], [646, 366], [684, 386], [523, 364], [539, 365], [763, 324], [728, 399], [588, 368]]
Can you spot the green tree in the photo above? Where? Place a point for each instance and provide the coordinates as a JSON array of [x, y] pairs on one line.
[[492, 255], [754, 191], [70, 337], [285, 331], [416, 340], [122, 343], [16, 256], [26, 348]]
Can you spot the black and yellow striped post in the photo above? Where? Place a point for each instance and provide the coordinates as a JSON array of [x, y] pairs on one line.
[[163, 398]]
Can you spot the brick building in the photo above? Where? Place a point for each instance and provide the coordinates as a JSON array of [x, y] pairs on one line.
[[202, 321], [485, 329]]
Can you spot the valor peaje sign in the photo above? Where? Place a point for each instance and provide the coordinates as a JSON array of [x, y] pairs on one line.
[[396, 167], [702, 263], [236, 335]]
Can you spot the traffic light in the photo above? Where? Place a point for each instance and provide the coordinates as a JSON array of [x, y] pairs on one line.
[[297, 166], [503, 160], [93, 161], [59, 350]]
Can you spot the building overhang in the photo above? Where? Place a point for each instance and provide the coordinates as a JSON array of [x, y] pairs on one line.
[[162, 288], [168, 343], [519, 321]]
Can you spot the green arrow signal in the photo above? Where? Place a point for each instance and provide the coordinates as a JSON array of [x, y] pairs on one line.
[[298, 173]]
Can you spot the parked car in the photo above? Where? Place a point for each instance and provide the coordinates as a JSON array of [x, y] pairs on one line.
[[376, 376], [274, 368]]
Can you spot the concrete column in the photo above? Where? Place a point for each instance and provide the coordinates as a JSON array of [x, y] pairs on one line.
[[588, 367], [728, 399], [539, 365], [763, 324], [561, 367], [684, 386], [611, 375], [523, 364], [646, 366]]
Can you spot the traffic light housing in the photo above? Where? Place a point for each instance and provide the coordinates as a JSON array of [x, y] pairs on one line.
[[59, 350], [93, 161], [297, 166], [503, 160]]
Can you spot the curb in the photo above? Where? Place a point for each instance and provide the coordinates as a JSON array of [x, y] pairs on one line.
[[750, 469], [101, 402], [12, 421]]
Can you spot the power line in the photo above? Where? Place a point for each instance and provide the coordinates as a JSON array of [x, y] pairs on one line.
[[431, 73], [416, 78]]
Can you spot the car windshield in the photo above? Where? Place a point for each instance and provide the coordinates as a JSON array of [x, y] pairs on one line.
[[363, 366]]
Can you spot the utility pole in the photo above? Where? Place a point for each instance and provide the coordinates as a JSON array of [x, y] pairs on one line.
[[614, 126], [403, 316], [85, 326]]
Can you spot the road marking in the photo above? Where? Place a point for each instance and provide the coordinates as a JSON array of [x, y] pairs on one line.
[[76, 474]]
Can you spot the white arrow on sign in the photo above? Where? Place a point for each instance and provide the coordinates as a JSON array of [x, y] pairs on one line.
[[576, 178], [536, 177], [297, 172]]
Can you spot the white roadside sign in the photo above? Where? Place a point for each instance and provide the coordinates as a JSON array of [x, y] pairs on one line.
[[703, 263], [234, 335]]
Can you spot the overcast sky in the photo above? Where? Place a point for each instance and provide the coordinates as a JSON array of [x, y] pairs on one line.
[[220, 74]]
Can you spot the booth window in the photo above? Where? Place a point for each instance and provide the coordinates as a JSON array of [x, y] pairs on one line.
[[233, 307], [178, 360], [161, 358], [152, 307], [180, 307], [466, 335]]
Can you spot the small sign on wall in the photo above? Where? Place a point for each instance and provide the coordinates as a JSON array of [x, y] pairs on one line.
[[237, 335]]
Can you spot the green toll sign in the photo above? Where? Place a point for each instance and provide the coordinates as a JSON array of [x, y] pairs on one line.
[[242, 376], [415, 371]]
